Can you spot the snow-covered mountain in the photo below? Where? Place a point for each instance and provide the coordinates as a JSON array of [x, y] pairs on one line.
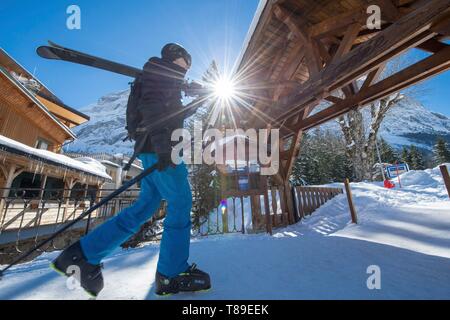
[[105, 131], [408, 123]]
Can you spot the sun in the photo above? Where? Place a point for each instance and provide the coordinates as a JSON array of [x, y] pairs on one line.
[[224, 89]]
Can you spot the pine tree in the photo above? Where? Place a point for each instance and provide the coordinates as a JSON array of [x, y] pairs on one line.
[[417, 162], [387, 153], [441, 152], [405, 156], [322, 160], [204, 179]]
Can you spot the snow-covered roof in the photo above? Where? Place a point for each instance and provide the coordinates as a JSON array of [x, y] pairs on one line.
[[86, 165], [134, 165], [43, 91], [31, 96], [110, 163]]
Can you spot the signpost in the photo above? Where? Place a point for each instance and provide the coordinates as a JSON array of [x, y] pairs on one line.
[[396, 170]]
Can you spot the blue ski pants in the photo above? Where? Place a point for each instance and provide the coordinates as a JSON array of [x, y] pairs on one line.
[[171, 185]]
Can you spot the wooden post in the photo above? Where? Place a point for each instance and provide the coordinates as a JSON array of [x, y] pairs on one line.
[[350, 201], [11, 173], [43, 185], [289, 202], [446, 176], [68, 186], [267, 211]]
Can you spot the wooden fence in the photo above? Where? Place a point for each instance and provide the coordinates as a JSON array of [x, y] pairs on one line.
[[310, 199]]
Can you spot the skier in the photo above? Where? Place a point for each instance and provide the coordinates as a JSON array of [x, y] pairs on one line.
[[161, 85]]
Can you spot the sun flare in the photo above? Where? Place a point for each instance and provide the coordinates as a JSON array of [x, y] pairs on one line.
[[224, 89]]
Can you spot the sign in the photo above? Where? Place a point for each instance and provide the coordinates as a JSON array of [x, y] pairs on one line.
[[396, 170]]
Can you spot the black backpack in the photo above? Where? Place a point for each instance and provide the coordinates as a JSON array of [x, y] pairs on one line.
[[133, 115]]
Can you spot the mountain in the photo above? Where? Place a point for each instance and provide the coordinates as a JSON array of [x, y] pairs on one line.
[[105, 131], [408, 123]]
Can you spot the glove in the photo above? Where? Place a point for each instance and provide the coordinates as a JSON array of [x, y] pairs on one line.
[[194, 89], [164, 162]]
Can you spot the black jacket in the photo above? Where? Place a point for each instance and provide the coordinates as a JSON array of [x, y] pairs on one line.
[[161, 86]]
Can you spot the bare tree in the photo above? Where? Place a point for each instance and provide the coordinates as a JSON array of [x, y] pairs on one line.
[[360, 135]]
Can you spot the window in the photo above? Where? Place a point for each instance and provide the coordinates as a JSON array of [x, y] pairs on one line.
[[42, 144]]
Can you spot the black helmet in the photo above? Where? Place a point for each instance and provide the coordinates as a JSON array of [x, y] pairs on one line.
[[173, 51]]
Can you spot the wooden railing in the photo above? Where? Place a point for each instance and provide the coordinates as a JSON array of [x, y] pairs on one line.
[[310, 199], [270, 209]]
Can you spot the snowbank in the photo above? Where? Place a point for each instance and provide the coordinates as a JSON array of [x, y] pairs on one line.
[[405, 232], [431, 178], [83, 164]]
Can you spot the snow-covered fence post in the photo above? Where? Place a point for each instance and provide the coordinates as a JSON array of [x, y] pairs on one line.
[[350, 201], [446, 176]]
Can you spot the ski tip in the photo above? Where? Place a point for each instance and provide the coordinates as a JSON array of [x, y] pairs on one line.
[[51, 43], [46, 53]]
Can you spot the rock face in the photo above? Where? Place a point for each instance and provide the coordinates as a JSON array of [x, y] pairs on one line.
[[408, 123]]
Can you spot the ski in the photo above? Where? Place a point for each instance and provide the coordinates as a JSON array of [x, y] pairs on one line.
[[54, 51]]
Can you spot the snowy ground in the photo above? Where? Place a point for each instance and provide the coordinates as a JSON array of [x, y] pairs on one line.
[[406, 232]]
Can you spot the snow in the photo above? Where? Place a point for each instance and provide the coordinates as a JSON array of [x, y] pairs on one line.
[[430, 178], [407, 123], [84, 164], [405, 232]]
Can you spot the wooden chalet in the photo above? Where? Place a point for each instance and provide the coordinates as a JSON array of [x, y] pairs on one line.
[[34, 126], [302, 53]]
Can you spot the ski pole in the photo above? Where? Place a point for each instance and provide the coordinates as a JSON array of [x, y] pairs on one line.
[[117, 192]]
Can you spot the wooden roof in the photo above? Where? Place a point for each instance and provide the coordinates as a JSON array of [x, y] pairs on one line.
[[46, 120], [300, 53], [70, 116], [298, 41]]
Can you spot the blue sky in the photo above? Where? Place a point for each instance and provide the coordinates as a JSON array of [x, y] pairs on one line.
[[132, 31], [124, 31]]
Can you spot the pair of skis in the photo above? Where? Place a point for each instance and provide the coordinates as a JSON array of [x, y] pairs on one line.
[[56, 52]]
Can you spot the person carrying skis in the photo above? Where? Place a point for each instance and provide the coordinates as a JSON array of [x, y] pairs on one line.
[[161, 85]]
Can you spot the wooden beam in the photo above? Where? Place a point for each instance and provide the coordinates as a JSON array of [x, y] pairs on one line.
[[291, 65], [334, 99], [331, 25], [432, 46], [4, 171], [13, 171], [443, 28], [410, 30], [389, 12], [312, 52], [414, 74], [372, 77], [347, 43]]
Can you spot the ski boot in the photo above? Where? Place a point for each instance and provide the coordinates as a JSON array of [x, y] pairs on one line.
[[192, 280], [91, 278]]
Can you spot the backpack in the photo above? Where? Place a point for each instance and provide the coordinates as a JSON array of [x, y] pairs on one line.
[[133, 115]]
